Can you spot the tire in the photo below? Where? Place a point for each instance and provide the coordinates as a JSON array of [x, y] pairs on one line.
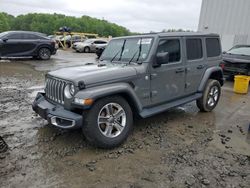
[[106, 135], [86, 50], [210, 97], [44, 53]]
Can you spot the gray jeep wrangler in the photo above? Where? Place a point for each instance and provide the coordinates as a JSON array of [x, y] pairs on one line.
[[136, 75]]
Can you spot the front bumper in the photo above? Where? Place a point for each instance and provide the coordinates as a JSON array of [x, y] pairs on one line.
[[54, 51], [55, 114]]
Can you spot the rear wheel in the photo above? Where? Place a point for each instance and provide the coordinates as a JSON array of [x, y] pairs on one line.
[[86, 50], [108, 123], [44, 53], [210, 97]]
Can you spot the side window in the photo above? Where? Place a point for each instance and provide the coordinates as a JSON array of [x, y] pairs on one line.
[[213, 47], [194, 49], [103, 42], [28, 36], [15, 36], [32, 36], [172, 46]]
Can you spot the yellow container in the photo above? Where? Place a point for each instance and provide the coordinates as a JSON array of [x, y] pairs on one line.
[[241, 84]]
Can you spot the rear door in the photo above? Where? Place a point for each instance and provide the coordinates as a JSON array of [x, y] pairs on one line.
[[29, 43], [195, 63]]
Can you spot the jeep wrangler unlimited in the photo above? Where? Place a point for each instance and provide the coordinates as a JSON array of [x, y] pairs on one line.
[[143, 75]]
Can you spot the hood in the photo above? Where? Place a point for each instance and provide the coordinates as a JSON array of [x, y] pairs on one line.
[[94, 74], [233, 58]]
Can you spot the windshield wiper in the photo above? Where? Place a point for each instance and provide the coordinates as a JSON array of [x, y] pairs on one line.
[[133, 57], [115, 56], [139, 50], [120, 51], [140, 47]]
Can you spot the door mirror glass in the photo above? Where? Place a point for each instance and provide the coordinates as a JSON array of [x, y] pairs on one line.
[[162, 58]]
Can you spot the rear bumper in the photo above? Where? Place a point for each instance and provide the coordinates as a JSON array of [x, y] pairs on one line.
[[56, 115]]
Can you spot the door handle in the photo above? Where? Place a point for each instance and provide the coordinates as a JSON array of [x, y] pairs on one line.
[[180, 70], [200, 66]]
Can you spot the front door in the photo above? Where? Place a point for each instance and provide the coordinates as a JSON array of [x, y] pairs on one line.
[[12, 46], [168, 80]]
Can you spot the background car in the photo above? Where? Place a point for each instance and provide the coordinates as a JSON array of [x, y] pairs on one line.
[[99, 51], [69, 40], [89, 45], [236, 61], [26, 44]]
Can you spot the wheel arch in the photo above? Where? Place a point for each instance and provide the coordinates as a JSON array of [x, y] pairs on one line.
[[44, 46], [124, 90], [215, 73]]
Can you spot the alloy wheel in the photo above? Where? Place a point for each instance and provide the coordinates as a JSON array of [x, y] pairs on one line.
[[213, 96], [111, 120]]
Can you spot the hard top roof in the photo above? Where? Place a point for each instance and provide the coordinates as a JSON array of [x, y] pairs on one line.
[[174, 34]]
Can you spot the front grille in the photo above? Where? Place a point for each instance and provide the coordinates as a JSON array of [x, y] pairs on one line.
[[54, 89]]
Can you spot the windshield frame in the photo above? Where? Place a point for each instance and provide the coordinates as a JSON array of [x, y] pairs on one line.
[[141, 60]]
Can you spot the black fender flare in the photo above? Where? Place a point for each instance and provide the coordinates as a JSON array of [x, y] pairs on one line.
[[212, 72], [123, 89]]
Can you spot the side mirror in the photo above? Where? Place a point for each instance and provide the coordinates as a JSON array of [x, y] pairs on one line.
[[224, 52], [161, 58], [4, 39]]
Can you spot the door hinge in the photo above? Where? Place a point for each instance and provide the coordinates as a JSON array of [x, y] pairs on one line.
[[187, 85], [153, 93], [152, 76]]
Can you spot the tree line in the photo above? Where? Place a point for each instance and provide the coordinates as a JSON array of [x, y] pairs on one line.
[[50, 23]]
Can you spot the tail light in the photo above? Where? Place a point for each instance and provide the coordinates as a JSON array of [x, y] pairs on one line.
[[53, 42], [222, 65]]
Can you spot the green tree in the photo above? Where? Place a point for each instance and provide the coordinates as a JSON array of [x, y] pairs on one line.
[[4, 24], [50, 23]]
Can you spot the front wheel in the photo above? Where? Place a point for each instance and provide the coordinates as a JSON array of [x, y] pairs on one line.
[[210, 97], [44, 53], [108, 123]]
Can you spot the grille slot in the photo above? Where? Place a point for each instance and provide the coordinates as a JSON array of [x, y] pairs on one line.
[[54, 89]]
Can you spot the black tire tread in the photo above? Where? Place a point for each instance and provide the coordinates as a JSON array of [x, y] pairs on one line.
[[39, 57], [201, 102], [93, 136]]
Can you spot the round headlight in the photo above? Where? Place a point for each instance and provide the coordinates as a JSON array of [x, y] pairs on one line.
[[72, 89], [69, 91]]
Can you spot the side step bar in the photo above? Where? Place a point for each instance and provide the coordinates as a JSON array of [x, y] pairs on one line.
[[147, 112]]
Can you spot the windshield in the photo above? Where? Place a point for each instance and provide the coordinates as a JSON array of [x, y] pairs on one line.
[[127, 49], [2, 34], [240, 50]]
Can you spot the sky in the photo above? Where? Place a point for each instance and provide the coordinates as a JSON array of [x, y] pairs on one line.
[[136, 15]]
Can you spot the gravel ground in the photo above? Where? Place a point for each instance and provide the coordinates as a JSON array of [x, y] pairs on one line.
[[179, 148]]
